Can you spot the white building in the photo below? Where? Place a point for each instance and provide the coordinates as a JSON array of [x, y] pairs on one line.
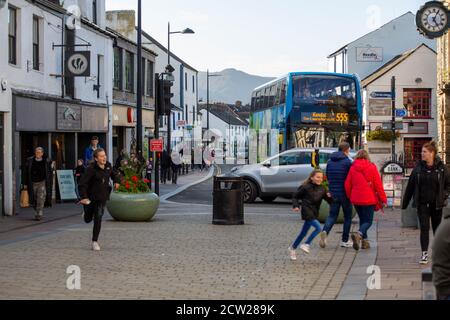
[[371, 51], [228, 129], [58, 113], [416, 82], [185, 113]]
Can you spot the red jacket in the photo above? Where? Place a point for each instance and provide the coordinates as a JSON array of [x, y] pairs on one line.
[[362, 182]]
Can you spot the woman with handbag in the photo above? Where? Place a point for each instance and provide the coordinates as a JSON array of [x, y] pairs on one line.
[[365, 191]]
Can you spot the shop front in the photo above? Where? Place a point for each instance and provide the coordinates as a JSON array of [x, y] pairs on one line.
[[63, 128]]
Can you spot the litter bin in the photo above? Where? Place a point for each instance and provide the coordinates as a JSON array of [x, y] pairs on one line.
[[228, 200]]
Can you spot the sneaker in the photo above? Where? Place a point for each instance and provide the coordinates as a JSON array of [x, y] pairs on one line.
[[38, 218], [365, 245], [292, 254], [348, 244], [424, 259], [306, 248], [356, 237], [95, 246], [323, 239]]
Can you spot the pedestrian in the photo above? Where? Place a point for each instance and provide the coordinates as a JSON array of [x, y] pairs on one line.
[[441, 259], [39, 181], [120, 158], [94, 189], [311, 194], [149, 171], [429, 187], [79, 170], [364, 188], [89, 152], [337, 171], [175, 160], [165, 165]]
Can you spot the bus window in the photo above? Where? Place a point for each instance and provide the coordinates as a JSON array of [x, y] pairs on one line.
[[283, 92], [278, 93], [266, 98], [273, 92]]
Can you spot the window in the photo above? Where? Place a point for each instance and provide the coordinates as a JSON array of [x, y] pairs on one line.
[[12, 36], [413, 151], [417, 102], [36, 43], [150, 78], [129, 71], [185, 81], [117, 68], [187, 114], [193, 84], [283, 92], [94, 11], [288, 159]]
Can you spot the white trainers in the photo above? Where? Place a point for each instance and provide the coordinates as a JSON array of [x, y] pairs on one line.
[[306, 248], [292, 254], [425, 259], [323, 239], [95, 246], [348, 244]]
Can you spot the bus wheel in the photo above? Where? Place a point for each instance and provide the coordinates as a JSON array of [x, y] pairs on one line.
[[250, 192], [268, 199]]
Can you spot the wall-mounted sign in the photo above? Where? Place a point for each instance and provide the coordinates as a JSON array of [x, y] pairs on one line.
[[181, 123], [66, 183], [369, 54], [68, 117], [380, 107], [417, 128], [380, 150], [78, 64], [381, 95], [393, 168]]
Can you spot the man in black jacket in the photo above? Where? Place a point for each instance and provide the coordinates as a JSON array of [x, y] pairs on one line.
[[39, 181], [441, 259], [95, 190]]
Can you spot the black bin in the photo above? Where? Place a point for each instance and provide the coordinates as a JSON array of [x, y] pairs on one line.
[[228, 201]]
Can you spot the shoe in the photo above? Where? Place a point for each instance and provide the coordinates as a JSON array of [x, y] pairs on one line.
[[38, 218], [306, 248], [323, 239], [348, 244], [424, 260], [356, 237], [95, 246], [292, 254], [365, 245]]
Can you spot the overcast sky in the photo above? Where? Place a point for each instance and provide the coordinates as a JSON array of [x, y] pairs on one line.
[[263, 37]]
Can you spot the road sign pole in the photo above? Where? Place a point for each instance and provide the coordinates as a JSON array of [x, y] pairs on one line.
[[394, 158]]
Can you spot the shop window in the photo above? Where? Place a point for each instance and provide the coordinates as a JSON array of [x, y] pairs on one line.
[[413, 151]]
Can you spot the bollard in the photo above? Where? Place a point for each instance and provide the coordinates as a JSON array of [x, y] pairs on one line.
[[428, 289]]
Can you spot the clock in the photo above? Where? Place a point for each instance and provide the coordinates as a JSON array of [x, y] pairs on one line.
[[433, 19]]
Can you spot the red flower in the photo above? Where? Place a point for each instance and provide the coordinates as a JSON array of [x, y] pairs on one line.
[[146, 181], [127, 185], [135, 179]]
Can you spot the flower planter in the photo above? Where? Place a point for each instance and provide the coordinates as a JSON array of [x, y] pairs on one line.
[[129, 207], [325, 212]]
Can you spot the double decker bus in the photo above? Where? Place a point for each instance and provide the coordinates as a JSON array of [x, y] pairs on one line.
[[306, 110]]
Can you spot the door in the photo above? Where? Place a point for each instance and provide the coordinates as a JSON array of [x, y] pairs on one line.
[[283, 175]]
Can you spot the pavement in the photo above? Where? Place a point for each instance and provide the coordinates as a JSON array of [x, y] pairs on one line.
[[182, 255]]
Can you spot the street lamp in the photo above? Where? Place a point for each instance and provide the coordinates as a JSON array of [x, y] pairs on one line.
[[170, 69], [139, 144], [207, 95]]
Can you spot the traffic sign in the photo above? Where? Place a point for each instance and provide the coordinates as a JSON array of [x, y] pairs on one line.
[[156, 145], [381, 95], [181, 123], [401, 113]]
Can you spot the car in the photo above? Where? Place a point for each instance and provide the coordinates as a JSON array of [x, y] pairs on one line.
[[280, 175]]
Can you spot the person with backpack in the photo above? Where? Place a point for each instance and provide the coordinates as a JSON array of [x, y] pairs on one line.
[[429, 187], [311, 194], [337, 171], [364, 188]]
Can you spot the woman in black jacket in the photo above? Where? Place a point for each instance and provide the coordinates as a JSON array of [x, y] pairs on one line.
[[429, 187], [95, 190], [311, 194]]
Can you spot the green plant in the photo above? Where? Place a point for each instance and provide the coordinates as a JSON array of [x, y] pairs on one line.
[[381, 135], [132, 171]]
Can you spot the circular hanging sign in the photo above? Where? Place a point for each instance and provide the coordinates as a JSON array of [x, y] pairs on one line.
[[78, 64], [433, 19]]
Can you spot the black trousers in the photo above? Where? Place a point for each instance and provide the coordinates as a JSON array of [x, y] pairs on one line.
[[94, 212], [175, 172], [164, 174], [427, 213]]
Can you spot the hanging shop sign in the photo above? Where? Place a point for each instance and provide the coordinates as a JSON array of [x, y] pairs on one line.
[[78, 64]]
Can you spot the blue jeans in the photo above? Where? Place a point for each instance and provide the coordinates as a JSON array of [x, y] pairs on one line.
[[308, 225], [366, 214], [335, 209]]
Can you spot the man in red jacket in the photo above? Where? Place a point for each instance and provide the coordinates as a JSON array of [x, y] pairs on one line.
[[365, 191]]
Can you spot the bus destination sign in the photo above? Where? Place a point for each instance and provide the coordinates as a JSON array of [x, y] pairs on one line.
[[325, 117]]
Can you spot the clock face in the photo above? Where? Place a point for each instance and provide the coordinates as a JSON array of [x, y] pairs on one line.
[[434, 19]]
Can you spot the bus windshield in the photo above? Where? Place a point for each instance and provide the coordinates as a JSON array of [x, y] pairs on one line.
[[317, 90]]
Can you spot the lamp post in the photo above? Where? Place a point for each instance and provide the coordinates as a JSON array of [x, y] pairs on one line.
[[139, 134], [207, 95], [170, 69]]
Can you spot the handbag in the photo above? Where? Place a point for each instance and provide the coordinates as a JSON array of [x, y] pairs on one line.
[[24, 198]]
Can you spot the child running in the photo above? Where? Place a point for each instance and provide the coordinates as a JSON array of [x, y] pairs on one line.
[[311, 194]]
